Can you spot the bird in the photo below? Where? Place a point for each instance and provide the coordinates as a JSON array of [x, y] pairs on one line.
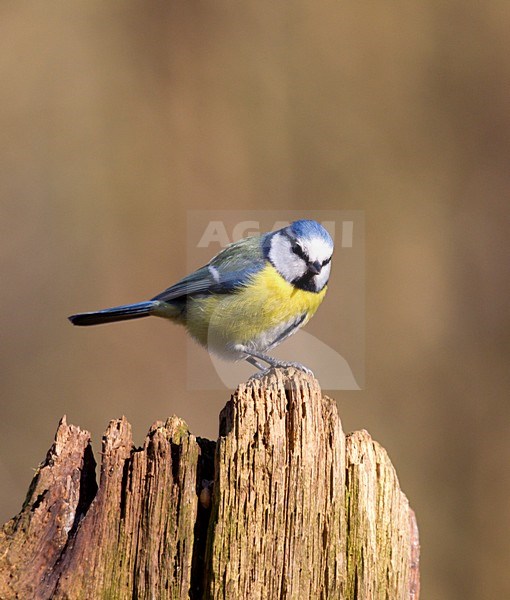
[[249, 298]]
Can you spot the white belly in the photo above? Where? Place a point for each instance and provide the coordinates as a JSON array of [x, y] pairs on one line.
[[274, 336]]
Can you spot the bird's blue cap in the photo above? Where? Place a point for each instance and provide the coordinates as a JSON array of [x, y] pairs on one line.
[[307, 229]]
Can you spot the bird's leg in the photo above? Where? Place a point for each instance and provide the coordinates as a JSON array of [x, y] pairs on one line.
[[271, 361], [253, 361]]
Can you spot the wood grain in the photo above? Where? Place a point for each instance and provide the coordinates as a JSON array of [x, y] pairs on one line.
[[282, 506]]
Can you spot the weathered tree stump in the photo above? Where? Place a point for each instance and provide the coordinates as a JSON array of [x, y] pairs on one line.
[[284, 505]]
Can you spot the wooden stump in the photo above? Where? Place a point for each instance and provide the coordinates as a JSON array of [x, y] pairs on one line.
[[284, 505]]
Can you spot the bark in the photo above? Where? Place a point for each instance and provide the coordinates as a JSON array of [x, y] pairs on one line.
[[284, 505]]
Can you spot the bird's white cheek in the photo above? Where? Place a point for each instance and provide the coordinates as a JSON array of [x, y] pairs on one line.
[[322, 278], [285, 261]]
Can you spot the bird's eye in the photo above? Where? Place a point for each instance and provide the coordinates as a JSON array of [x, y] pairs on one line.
[[296, 248], [325, 262]]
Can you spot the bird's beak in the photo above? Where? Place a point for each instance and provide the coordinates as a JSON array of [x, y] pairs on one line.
[[315, 267]]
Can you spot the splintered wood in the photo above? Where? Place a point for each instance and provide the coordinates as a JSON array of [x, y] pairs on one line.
[[283, 506], [134, 538], [282, 533], [299, 511]]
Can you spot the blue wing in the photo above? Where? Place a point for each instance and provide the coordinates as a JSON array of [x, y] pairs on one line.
[[229, 270]]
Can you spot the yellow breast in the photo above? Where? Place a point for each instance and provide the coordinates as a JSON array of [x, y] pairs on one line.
[[265, 303]]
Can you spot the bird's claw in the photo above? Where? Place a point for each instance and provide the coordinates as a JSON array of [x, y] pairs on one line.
[[281, 365], [295, 365]]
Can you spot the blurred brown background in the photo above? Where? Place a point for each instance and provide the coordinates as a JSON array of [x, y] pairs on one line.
[[116, 118]]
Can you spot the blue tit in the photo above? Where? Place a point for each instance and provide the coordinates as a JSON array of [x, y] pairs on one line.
[[249, 298]]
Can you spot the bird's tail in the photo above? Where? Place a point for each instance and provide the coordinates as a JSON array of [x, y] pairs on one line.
[[117, 313]]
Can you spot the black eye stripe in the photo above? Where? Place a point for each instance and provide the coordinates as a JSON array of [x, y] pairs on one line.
[[296, 248]]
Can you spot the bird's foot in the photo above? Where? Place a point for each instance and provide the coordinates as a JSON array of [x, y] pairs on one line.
[[285, 365], [254, 358], [280, 365]]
